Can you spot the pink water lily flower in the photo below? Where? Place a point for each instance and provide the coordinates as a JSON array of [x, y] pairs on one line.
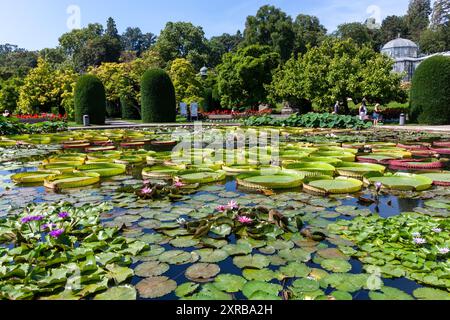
[[146, 191], [221, 208], [179, 184], [232, 205], [245, 220]]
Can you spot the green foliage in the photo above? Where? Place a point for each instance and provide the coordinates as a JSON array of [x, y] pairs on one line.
[[15, 62], [11, 126], [220, 45], [134, 40], [270, 27], [188, 88], [45, 89], [430, 92], [90, 99], [308, 32], [47, 263], [158, 99], [337, 70], [356, 31], [392, 27], [417, 17], [243, 75], [183, 40], [9, 93], [130, 110], [311, 120]]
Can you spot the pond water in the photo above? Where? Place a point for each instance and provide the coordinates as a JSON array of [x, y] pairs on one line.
[[317, 211]]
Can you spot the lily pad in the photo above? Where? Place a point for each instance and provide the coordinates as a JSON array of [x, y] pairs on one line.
[[257, 261], [336, 265], [229, 283], [155, 287], [202, 272], [431, 294], [151, 269], [254, 290], [118, 293]]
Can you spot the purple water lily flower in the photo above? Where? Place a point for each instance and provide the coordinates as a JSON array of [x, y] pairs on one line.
[[31, 218], [378, 186], [63, 215], [56, 233], [419, 241], [416, 234], [436, 230], [443, 251]]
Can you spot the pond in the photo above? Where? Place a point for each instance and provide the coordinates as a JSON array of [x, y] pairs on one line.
[[339, 214]]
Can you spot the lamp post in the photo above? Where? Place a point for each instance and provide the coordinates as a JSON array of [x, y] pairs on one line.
[[204, 72]]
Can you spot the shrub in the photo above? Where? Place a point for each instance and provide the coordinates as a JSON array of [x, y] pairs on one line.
[[90, 99], [158, 97], [311, 120], [130, 111], [430, 92], [11, 126]]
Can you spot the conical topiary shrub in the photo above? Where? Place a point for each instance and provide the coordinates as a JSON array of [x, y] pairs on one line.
[[90, 99], [430, 91], [158, 97], [129, 109]]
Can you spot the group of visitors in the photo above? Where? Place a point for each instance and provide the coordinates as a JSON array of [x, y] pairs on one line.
[[363, 111]]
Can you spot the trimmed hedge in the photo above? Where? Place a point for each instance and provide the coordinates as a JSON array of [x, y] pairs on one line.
[[90, 99], [129, 109], [158, 97], [430, 92]]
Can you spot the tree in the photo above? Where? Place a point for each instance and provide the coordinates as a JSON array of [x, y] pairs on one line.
[[158, 97], [220, 45], [9, 93], [356, 31], [15, 61], [337, 70], [242, 76], [436, 39], [183, 40], [91, 46], [430, 91], [392, 27], [111, 29], [308, 32], [417, 17], [47, 90], [188, 88], [134, 40], [441, 13], [90, 99], [271, 27]]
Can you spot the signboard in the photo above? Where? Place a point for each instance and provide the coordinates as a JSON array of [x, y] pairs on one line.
[[183, 109], [194, 110]]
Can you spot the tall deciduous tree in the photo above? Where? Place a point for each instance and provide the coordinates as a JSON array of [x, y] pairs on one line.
[[183, 40], [272, 27], [308, 32], [337, 70], [243, 75], [134, 40], [188, 88], [418, 17], [220, 45]]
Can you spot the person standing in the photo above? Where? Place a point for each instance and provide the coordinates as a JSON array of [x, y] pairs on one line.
[[363, 110], [7, 114], [336, 108], [377, 114]]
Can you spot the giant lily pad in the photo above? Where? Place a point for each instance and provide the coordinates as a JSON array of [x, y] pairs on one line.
[[334, 186], [104, 169], [403, 181], [71, 180], [280, 180]]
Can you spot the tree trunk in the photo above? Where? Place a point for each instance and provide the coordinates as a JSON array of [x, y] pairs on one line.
[[345, 104]]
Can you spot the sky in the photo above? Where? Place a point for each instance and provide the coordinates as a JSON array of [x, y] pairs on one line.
[[37, 24]]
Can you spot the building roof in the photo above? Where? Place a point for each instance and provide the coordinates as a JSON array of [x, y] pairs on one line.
[[400, 43]]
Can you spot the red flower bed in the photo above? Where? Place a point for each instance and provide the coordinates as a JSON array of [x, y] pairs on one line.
[[43, 117], [237, 114]]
